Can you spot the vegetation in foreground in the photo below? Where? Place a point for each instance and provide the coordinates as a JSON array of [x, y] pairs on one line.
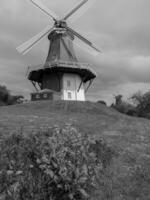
[[58, 164], [65, 164]]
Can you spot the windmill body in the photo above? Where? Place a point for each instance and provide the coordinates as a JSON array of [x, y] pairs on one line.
[[62, 76]]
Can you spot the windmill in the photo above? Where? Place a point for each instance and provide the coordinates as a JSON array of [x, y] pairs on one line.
[[62, 76]]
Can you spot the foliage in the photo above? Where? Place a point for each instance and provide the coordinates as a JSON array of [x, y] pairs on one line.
[[137, 98], [124, 106], [52, 165], [140, 105], [102, 102], [4, 94], [15, 99], [142, 102], [7, 99]]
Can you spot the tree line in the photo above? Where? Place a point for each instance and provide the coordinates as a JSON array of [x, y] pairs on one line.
[[138, 104]]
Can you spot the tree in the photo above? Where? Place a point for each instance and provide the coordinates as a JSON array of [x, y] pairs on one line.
[[8, 99], [15, 99], [4, 94], [137, 98], [123, 106], [142, 102]]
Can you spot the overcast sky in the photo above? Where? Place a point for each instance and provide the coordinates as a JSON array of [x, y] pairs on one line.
[[120, 28]]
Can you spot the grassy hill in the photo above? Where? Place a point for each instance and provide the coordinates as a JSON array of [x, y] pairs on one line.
[[129, 136], [89, 117]]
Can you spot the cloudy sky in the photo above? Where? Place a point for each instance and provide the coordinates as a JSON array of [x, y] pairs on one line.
[[120, 28]]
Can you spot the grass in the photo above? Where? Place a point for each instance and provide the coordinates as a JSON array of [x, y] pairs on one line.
[[89, 117], [129, 174]]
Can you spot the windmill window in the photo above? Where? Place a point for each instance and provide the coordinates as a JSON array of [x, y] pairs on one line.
[[45, 96], [69, 95], [37, 96], [68, 83]]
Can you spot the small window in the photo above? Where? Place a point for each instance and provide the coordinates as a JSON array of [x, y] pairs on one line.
[[37, 96], [68, 83], [45, 96], [69, 95]]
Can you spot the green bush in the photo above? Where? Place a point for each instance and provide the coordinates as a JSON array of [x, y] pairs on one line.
[[57, 164]]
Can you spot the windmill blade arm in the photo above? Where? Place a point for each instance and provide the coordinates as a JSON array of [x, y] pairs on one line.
[[75, 9], [46, 10], [27, 46], [79, 10], [83, 39]]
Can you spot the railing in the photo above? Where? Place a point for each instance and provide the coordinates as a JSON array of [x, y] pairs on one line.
[[62, 64]]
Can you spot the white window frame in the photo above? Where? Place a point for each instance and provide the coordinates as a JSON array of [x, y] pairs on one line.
[[69, 95]]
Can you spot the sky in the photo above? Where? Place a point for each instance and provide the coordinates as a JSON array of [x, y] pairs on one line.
[[119, 28]]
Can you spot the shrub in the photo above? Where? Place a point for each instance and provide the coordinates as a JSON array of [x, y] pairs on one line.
[[126, 108], [142, 102], [4, 94], [57, 164], [102, 102], [7, 99], [123, 106], [15, 99]]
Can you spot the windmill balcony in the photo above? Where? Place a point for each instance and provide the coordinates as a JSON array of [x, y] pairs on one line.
[[83, 69]]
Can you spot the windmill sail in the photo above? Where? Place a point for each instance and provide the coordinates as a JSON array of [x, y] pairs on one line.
[[83, 39], [75, 9], [81, 11], [27, 46], [45, 9]]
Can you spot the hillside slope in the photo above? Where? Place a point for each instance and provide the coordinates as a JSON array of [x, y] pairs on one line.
[[91, 118], [128, 176]]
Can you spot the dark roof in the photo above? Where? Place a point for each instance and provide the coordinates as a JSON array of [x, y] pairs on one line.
[[62, 67]]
